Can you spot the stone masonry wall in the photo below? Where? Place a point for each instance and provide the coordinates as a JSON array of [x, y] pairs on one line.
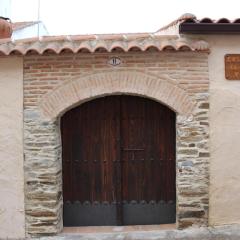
[[42, 143], [43, 179], [192, 157]]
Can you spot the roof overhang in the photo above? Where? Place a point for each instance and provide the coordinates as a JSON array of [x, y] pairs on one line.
[[209, 28], [101, 43]]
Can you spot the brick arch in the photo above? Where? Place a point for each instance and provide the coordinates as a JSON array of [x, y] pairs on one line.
[[85, 88]]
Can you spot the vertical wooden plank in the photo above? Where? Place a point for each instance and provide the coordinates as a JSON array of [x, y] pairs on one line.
[[118, 163]]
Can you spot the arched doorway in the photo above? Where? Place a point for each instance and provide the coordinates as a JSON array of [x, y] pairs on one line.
[[119, 162]]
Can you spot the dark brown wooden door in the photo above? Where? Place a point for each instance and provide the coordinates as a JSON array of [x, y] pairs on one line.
[[118, 162]]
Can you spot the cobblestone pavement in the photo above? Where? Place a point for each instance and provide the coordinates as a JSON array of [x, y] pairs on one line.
[[216, 233]]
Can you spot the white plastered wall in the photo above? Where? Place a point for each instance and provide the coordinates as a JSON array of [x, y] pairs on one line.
[[12, 222], [224, 139], [224, 135]]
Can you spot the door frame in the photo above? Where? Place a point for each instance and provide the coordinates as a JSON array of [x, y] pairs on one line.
[[162, 204]]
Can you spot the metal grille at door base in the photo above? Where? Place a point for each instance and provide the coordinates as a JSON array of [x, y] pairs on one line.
[[104, 214]]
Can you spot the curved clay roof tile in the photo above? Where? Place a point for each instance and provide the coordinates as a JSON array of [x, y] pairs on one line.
[[188, 16], [223, 20], [183, 46], [34, 47], [84, 46], [200, 46], [237, 20], [81, 44], [134, 45], [68, 46], [151, 44], [20, 49], [52, 47], [100, 45], [166, 45], [206, 20], [118, 45], [5, 49]]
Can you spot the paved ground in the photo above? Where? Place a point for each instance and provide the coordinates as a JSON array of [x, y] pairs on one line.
[[217, 233]]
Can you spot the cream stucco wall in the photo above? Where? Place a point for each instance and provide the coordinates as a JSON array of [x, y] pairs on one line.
[[224, 135], [224, 139], [12, 222]]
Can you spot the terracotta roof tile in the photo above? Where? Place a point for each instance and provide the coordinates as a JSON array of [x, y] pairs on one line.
[[95, 43], [209, 20], [183, 18], [192, 19], [209, 26]]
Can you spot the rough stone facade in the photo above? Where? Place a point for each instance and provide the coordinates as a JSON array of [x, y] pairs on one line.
[[43, 179], [177, 79], [192, 165]]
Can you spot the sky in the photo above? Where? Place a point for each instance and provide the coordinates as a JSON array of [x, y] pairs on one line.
[[63, 17]]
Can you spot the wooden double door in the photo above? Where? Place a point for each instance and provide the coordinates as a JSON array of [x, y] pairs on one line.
[[118, 162]]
